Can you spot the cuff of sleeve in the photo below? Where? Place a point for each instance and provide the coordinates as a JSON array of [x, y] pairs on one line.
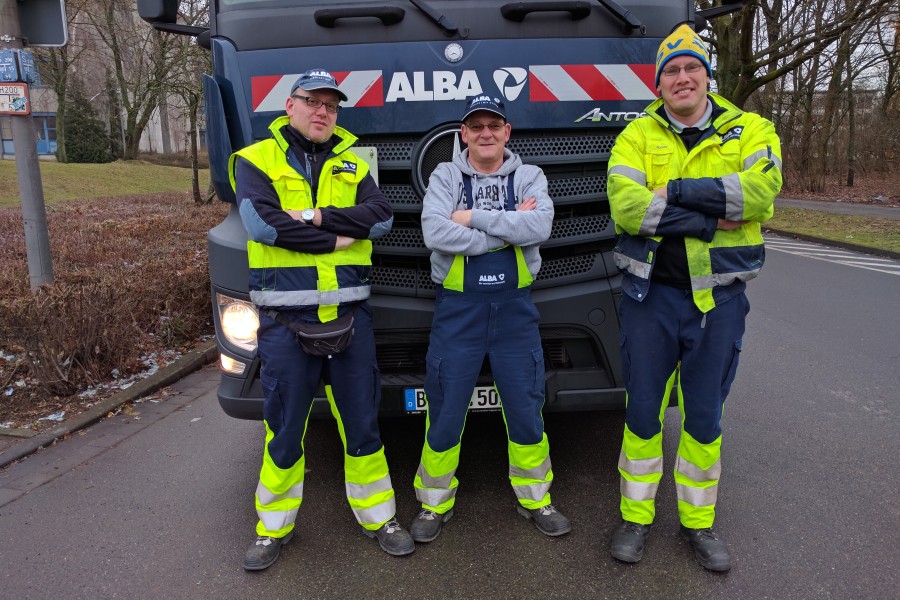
[[710, 230], [326, 217], [673, 192], [475, 219]]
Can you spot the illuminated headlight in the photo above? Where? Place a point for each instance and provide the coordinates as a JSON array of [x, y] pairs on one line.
[[230, 365], [239, 321]]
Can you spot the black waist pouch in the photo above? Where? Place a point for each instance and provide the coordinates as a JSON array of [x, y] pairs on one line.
[[320, 339]]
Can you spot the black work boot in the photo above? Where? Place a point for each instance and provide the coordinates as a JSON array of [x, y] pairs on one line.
[[264, 552], [427, 524], [393, 539], [710, 550], [628, 541], [547, 519]]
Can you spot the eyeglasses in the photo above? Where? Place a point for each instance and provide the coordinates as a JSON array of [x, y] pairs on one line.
[[479, 127], [315, 103], [690, 69]]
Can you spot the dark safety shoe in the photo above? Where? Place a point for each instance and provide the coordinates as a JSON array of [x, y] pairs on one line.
[[547, 519], [710, 550], [427, 525], [264, 552], [628, 541], [393, 539]]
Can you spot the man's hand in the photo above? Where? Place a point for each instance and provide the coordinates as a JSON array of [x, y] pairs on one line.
[[343, 242], [726, 225], [663, 191], [461, 217], [528, 204]]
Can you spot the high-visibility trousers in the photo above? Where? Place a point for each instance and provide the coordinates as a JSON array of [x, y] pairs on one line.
[[467, 327], [666, 341], [290, 379]]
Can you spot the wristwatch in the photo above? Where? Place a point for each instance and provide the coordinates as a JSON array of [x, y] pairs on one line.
[[308, 215]]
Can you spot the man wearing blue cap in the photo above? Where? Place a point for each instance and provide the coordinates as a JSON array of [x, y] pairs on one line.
[[483, 217], [311, 209], [689, 185]]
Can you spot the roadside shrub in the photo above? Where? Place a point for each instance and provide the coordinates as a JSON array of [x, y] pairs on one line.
[[87, 139], [130, 278]]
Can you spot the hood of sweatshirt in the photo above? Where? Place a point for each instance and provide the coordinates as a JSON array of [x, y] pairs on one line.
[[510, 163]]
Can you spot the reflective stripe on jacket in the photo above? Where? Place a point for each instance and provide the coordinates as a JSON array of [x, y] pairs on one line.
[[733, 173], [281, 278]]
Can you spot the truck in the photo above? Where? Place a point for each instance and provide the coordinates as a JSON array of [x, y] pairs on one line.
[[571, 73]]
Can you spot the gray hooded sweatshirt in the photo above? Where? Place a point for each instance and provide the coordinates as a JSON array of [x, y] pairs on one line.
[[491, 226]]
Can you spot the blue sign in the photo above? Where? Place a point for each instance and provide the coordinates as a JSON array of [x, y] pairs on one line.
[[26, 65], [8, 70]]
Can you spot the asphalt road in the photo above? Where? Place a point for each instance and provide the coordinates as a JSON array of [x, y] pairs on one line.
[[158, 503]]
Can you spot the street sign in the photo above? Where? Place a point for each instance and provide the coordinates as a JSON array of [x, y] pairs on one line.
[[14, 99], [43, 22], [26, 65], [8, 69]]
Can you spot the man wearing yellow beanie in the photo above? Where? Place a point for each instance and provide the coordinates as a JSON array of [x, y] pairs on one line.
[[689, 185]]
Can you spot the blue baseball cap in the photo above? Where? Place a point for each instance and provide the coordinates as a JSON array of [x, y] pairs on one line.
[[485, 102], [318, 79]]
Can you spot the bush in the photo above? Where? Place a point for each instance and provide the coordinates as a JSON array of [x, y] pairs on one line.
[[130, 277], [87, 140]]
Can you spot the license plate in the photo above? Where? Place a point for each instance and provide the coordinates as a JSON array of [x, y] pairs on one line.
[[483, 398]]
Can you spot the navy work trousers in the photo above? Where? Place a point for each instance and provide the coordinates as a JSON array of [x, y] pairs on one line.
[[668, 328], [467, 327], [291, 377]]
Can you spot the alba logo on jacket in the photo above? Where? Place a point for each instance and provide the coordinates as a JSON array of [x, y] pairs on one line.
[[732, 134], [491, 279], [347, 167]]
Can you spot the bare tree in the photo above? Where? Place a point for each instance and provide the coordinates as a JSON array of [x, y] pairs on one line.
[[56, 65], [795, 32], [142, 60], [186, 85]]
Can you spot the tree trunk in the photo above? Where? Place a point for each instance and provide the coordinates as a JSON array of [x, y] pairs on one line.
[[164, 126], [851, 142], [195, 175]]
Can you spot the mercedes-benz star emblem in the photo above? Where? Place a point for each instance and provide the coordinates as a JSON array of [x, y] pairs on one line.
[[453, 52]]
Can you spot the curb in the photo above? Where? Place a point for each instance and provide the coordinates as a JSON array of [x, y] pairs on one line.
[[844, 245], [192, 361]]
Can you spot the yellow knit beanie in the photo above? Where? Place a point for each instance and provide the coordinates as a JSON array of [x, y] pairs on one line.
[[682, 41]]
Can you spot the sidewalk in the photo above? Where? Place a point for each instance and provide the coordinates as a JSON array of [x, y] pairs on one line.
[[17, 444], [842, 208]]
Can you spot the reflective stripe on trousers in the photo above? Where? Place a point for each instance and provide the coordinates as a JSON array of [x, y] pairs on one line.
[[290, 379], [503, 327]]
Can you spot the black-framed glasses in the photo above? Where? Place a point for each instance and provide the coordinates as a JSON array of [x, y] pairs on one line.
[[690, 69], [479, 127], [315, 103]]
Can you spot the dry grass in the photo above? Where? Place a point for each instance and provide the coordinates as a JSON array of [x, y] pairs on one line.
[[130, 278]]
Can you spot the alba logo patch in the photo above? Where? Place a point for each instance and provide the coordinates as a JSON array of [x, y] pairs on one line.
[[491, 279], [346, 167], [510, 81], [732, 134]]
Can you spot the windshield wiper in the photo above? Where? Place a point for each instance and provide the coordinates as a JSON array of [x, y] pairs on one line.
[[629, 21], [441, 20]]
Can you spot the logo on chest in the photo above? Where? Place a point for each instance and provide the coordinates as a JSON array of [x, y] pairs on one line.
[[345, 167], [732, 134]]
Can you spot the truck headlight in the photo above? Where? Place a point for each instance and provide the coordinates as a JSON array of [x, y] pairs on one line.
[[239, 321]]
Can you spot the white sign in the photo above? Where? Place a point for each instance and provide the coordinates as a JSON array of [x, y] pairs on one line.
[[14, 99]]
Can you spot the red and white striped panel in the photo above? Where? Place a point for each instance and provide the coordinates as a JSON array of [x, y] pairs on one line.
[[562, 83], [363, 88]]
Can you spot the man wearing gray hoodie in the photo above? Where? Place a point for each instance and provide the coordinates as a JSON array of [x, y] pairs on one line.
[[483, 217]]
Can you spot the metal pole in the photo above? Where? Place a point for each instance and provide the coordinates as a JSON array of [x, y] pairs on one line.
[[31, 191]]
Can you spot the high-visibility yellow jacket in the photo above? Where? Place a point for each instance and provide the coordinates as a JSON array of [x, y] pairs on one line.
[[733, 173], [283, 278]]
